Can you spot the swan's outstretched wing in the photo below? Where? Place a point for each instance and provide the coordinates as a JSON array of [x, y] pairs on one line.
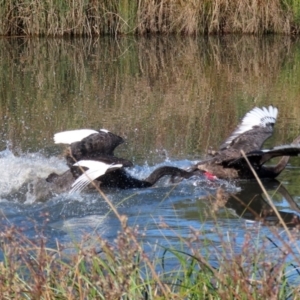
[[283, 150], [110, 160], [72, 136], [85, 143], [95, 170], [256, 126], [106, 159], [260, 157]]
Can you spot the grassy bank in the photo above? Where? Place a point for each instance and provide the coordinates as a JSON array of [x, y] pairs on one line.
[[91, 17], [122, 270]]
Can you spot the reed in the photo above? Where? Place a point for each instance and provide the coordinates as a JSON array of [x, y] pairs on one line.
[[91, 17]]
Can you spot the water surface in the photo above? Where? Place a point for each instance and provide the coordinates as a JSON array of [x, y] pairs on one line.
[[170, 98]]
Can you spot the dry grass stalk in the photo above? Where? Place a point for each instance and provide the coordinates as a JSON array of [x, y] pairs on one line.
[[88, 18]]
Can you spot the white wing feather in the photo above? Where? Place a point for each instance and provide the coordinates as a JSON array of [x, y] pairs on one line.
[[72, 136], [255, 117], [95, 170]]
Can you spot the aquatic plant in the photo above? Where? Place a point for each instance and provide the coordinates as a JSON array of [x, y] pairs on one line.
[[91, 17]]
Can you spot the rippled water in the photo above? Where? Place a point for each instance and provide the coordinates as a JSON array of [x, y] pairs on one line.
[[170, 98], [178, 205]]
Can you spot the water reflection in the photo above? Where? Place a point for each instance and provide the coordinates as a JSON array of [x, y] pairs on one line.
[[250, 203], [182, 95]]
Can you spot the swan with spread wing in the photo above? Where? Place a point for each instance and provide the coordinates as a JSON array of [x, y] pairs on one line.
[[249, 136]]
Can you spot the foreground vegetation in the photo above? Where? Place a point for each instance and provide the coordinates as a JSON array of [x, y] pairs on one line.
[[123, 270], [90, 17]]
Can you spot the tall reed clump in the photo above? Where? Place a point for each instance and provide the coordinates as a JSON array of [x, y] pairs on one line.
[[92, 17], [59, 18], [223, 16]]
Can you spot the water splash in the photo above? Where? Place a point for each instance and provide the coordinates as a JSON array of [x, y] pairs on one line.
[[24, 170], [19, 170]]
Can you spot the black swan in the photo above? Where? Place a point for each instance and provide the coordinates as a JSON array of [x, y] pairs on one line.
[[249, 136], [92, 151], [90, 145]]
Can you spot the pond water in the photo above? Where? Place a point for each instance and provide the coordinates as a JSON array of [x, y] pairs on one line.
[[171, 98]]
